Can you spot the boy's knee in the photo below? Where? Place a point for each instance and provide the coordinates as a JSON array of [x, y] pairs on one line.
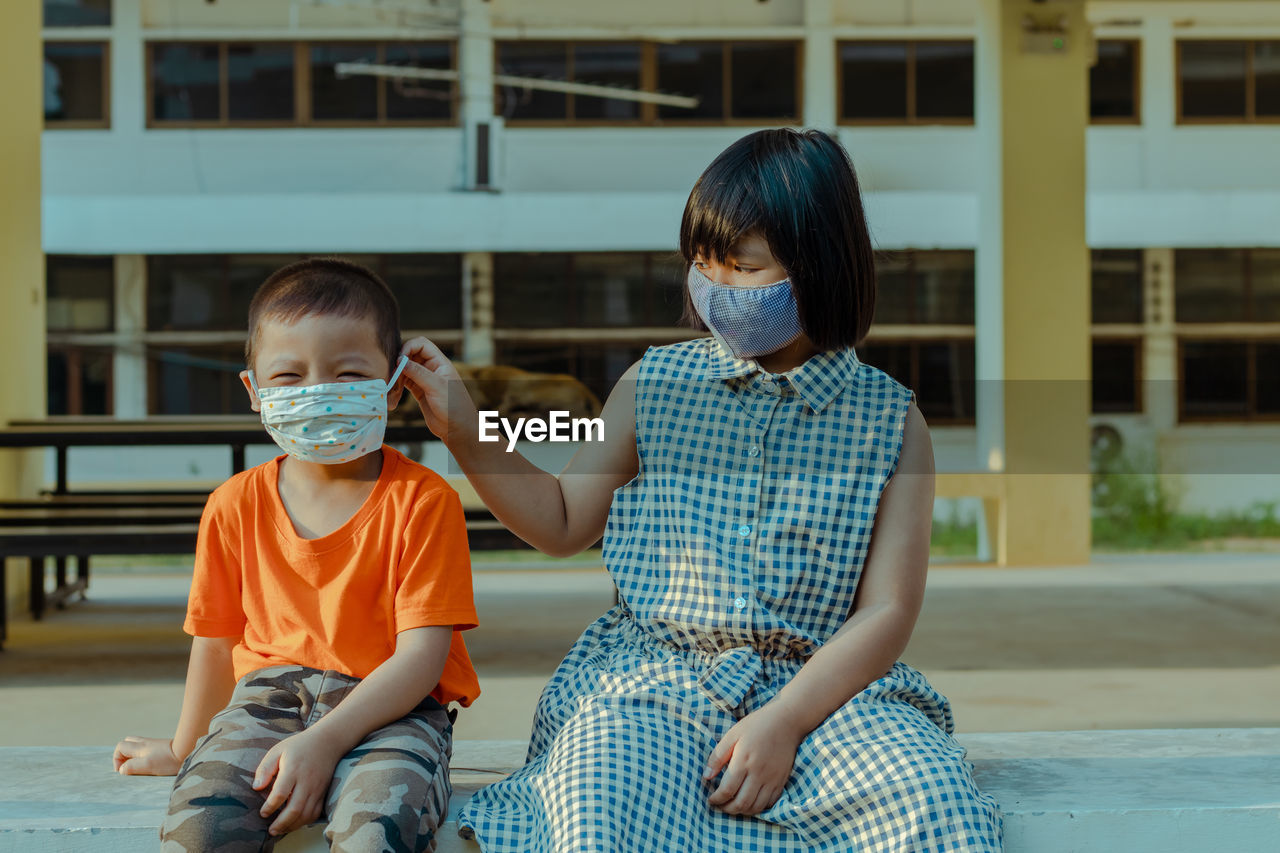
[[214, 807], [392, 800]]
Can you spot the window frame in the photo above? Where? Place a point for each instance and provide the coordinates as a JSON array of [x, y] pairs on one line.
[[1136, 118], [1251, 415], [575, 294], [649, 82], [911, 119], [1246, 280], [1108, 334], [913, 344], [302, 100], [1250, 86], [111, 19], [85, 124], [74, 354]]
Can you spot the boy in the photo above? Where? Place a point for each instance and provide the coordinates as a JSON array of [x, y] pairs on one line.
[[330, 587]]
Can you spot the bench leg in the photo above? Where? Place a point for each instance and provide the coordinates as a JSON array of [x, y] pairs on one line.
[[82, 574], [59, 576], [4, 601], [37, 586]]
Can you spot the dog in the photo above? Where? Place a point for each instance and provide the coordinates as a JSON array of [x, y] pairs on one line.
[[516, 393]]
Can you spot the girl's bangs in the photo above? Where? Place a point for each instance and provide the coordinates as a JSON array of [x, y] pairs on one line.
[[717, 216]]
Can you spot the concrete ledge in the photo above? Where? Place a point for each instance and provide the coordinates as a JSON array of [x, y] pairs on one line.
[[1165, 790]]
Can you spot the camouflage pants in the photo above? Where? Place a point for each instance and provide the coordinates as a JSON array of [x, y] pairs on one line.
[[389, 793]]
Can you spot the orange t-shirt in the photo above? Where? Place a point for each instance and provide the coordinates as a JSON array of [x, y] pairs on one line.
[[336, 602]]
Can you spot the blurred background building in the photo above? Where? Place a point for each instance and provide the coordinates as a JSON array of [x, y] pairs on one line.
[[191, 147]]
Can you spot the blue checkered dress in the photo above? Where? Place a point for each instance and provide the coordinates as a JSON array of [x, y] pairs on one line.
[[737, 550]]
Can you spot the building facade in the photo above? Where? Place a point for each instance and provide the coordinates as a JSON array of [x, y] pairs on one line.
[[191, 147]]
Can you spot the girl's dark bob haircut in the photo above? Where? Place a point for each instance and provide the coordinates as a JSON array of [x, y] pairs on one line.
[[799, 190]]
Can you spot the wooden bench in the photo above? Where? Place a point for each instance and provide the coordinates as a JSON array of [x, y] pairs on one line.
[[1138, 791], [82, 527]]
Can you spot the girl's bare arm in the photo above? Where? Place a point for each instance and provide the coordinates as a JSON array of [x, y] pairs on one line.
[[558, 515], [890, 590]]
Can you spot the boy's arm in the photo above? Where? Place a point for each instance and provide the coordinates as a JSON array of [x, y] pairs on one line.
[[559, 516], [759, 750], [210, 680], [302, 765]]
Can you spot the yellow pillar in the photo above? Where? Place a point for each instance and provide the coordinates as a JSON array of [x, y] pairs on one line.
[[1033, 111], [22, 311]]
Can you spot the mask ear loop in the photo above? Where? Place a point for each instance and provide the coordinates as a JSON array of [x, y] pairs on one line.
[[404, 359], [254, 385]]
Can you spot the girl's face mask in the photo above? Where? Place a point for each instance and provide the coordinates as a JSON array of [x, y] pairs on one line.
[[749, 321], [330, 423]]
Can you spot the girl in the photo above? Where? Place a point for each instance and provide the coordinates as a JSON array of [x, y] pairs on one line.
[[745, 693]]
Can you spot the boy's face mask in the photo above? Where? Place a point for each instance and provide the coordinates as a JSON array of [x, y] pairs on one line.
[[749, 321], [331, 423]]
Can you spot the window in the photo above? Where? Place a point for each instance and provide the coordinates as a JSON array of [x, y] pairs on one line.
[[79, 380], [427, 286], [79, 298], [366, 99], [925, 287], [1229, 379], [80, 290], [1117, 375], [735, 82], [1229, 373], [906, 82], [219, 84], [77, 13], [1117, 360], [1113, 83], [75, 84], [196, 380], [601, 290], [212, 292], [941, 372], [205, 292], [1226, 285], [1228, 81], [259, 82], [1116, 285]]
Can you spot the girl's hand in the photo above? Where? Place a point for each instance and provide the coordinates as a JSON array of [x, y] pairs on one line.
[[435, 384], [145, 756], [302, 768], [759, 752]]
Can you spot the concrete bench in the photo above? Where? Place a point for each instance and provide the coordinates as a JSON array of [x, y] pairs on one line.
[[1193, 790]]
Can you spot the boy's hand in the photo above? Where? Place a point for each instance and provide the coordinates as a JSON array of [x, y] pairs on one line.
[[759, 751], [436, 385], [145, 756], [302, 766]]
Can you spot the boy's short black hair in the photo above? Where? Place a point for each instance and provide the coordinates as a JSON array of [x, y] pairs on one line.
[[327, 285], [799, 190]]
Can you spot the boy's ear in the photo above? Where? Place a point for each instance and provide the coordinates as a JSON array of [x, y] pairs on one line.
[[395, 394], [248, 386]]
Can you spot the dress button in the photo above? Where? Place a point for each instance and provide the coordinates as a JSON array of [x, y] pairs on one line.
[[744, 529], [740, 603], [754, 451]]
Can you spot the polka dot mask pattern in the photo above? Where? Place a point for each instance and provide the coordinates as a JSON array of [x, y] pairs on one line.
[[330, 423]]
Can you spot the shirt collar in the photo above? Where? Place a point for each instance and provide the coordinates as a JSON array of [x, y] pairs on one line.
[[818, 380]]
